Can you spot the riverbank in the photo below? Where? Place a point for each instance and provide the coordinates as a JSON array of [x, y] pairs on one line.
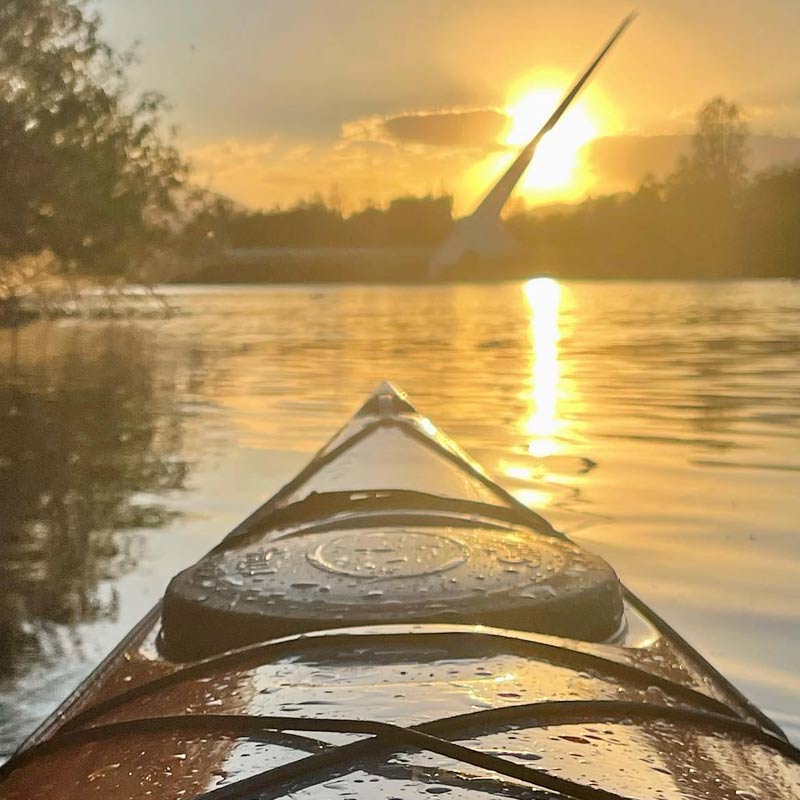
[[410, 266]]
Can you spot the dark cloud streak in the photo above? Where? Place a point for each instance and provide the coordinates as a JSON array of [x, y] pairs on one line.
[[624, 160], [480, 128]]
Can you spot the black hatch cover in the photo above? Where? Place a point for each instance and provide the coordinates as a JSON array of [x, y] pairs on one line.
[[453, 574]]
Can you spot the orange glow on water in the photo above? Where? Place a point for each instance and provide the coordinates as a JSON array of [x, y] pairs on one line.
[[542, 422]]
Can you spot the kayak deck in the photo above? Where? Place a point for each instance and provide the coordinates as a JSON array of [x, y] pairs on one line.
[[406, 701], [426, 537]]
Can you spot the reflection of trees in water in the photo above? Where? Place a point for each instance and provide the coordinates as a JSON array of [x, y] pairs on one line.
[[83, 429]]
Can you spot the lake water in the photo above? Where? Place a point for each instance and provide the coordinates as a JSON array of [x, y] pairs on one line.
[[656, 423]]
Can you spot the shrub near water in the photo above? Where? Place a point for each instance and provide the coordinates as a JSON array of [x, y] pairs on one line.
[[85, 171]]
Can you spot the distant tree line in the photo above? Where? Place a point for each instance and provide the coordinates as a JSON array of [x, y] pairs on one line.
[[405, 221]]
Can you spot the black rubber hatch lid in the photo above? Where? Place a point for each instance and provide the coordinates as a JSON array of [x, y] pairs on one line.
[[380, 575]]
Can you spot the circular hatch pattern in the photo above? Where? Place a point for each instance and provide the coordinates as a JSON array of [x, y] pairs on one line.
[[388, 554]]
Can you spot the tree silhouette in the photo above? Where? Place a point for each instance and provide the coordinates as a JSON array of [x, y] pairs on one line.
[[718, 160], [85, 171]]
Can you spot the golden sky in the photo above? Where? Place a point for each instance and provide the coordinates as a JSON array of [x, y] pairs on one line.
[[369, 99]]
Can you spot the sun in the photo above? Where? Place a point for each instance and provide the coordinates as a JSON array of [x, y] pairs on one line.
[[559, 171], [557, 159]]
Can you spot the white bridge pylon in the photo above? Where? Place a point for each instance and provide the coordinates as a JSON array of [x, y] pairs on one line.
[[481, 233]]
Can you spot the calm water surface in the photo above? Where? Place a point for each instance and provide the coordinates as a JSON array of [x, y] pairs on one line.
[[658, 424]]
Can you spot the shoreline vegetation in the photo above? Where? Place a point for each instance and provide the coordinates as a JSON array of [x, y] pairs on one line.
[[96, 197]]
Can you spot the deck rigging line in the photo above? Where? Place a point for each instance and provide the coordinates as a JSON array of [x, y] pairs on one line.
[[424, 737]]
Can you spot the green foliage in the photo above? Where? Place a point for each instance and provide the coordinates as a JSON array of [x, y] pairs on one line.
[[768, 236], [207, 221], [415, 221], [84, 169], [717, 164]]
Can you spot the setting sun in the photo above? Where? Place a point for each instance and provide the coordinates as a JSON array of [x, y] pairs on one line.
[[557, 171], [557, 157]]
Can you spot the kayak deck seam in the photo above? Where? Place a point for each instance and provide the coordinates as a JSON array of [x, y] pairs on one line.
[[563, 656]]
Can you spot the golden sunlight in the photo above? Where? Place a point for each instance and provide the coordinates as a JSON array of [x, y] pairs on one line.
[[557, 158], [557, 172], [542, 421]]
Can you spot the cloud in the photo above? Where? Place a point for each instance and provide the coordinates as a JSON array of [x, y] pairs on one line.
[[425, 153], [478, 129], [230, 154], [283, 171], [767, 152], [619, 162], [624, 160]]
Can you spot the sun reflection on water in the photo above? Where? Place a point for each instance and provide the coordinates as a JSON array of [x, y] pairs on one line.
[[542, 421]]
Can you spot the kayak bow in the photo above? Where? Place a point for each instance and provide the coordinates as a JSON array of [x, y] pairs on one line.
[[393, 623]]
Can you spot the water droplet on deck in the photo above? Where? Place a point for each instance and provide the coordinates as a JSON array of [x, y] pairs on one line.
[[540, 592]]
